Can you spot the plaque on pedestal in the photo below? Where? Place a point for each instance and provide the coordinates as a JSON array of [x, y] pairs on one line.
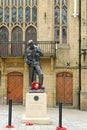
[[36, 109]]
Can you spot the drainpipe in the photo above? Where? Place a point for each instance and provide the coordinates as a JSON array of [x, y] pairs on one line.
[[79, 91]]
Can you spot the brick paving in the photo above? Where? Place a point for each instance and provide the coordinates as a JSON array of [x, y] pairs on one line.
[[72, 119]]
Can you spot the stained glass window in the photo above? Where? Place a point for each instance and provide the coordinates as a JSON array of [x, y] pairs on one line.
[[27, 14], [28, 2], [57, 34], [57, 15], [57, 2], [60, 21], [32, 2], [6, 18], [34, 14], [64, 35], [1, 14], [31, 34], [20, 14], [3, 34], [64, 15], [17, 34], [14, 13]]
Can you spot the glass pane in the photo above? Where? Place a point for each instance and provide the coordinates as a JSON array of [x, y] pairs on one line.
[[27, 14], [1, 13], [57, 15], [54, 1], [34, 14], [4, 34], [1, 2], [22, 2], [57, 34], [6, 17], [15, 2], [62, 2], [20, 14], [64, 35], [12, 2], [14, 13], [64, 15], [17, 34], [28, 2], [57, 2], [18, 2], [4, 2], [32, 2], [66, 2], [36, 2], [8, 2]]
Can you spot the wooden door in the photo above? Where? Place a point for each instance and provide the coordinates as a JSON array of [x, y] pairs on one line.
[[15, 87], [64, 88]]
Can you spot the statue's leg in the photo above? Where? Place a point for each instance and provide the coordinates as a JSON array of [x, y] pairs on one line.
[[34, 75], [31, 74], [40, 74]]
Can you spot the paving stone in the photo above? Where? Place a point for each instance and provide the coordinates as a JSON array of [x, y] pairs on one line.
[[72, 119]]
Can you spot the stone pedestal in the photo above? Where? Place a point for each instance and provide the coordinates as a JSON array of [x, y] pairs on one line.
[[36, 108]]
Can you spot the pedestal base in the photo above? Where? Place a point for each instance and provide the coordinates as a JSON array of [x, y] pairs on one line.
[[42, 121], [36, 109]]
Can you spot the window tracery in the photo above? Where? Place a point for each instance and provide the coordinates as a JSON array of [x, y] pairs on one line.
[[18, 12], [60, 21]]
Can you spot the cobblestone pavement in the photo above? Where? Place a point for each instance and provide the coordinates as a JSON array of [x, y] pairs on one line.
[[72, 119]]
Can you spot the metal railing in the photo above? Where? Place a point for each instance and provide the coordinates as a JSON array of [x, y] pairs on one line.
[[18, 48]]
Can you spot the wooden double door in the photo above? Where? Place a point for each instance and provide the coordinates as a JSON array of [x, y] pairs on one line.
[[15, 87], [64, 88]]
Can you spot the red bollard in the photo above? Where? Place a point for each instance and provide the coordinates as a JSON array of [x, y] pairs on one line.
[[60, 128]]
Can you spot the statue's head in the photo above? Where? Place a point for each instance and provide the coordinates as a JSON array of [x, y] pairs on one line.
[[30, 42]]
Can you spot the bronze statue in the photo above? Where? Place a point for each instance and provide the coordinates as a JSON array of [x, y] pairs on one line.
[[32, 58]]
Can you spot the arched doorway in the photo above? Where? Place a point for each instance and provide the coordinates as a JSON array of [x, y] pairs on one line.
[[15, 87], [64, 88]]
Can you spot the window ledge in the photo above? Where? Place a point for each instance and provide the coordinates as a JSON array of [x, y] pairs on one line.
[[63, 46]]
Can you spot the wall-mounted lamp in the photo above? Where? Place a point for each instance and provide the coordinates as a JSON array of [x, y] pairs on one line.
[[45, 15]]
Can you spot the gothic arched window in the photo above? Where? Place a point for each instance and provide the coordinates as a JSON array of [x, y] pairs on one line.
[[60, 21], [17, 34], [20, 14], [6, 16], [34, 14], [57, 15], [31, 34], [4, 35], [14, 14], [27, 11], [31, 11]]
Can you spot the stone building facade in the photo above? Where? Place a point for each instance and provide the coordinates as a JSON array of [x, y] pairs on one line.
[[54, 25]]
